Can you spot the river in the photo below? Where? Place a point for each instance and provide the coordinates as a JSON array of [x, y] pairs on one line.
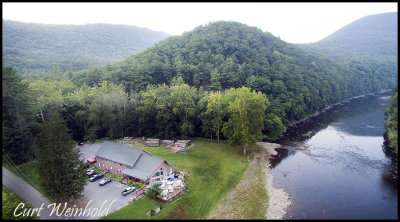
[[335, 166]]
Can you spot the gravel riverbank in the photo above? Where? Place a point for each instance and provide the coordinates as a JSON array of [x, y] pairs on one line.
[[279, 199]]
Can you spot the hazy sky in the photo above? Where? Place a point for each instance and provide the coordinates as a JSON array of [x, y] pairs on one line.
[[292, 22]]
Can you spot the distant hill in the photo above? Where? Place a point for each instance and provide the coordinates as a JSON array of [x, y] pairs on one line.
[[223, 55], [39, 47], [373, 36]]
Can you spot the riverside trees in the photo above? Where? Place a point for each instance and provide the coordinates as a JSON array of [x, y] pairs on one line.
[[176, 110], [247, 114]]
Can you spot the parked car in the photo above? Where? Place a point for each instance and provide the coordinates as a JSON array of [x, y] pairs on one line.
[[128, 190], [104, 181], [96, 177], [91, 173], [80, 143]]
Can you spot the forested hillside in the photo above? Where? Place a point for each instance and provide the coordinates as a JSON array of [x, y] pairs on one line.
[[222, 79], [222, 55], [48, 48], [373, 36]]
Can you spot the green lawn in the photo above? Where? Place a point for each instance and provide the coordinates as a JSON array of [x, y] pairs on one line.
[[215, 168], [113, 176]]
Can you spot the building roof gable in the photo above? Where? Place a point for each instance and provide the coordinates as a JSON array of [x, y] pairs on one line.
[[119, 153], [144, 167]]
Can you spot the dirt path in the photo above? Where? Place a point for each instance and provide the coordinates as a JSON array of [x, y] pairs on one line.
[[246, 200]]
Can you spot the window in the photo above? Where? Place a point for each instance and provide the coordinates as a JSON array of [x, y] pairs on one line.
[[161, 173]]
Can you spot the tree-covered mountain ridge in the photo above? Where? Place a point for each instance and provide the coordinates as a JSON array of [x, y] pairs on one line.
[[374, 36], [32, 47], [223, 55]]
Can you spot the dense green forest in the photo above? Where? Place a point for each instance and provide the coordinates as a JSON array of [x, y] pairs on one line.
[[373, 36], [392, 123], [53, 49], [223, 55], [198, 84]]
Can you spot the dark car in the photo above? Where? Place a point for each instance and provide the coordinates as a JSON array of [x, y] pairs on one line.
[[128, 190], [80, 143], [104, 182], [96, 177]]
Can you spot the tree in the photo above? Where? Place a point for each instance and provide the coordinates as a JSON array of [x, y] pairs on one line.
[[392, 123], [246, 121], [61, 171], [50, 95], [17, 118], [184, 107], [153, 190], [108, 109], [216, 110], [273, 127]]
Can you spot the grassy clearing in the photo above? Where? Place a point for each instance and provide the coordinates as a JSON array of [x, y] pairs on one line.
[[214, 169], [249, 200], [138, 208], [113, 176], [97, 170]]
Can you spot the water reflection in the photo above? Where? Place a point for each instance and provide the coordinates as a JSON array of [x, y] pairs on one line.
[[334, 165], [362, 116]]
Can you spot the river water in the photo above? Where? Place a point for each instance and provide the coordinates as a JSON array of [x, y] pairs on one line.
[[335, 166]]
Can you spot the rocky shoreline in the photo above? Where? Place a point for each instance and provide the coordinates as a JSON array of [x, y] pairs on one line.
[[279, 199]]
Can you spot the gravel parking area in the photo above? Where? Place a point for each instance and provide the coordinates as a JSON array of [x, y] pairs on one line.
[[101, 197]]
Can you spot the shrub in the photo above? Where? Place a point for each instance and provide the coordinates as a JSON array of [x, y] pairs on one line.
[[153, 191], [132, 183], [10, 202]]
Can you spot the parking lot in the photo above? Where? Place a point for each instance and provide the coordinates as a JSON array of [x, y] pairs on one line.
[[101, 196], [104, 195]]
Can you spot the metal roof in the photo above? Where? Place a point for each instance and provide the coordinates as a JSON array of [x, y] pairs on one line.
[[119, 153], [144, 166]]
